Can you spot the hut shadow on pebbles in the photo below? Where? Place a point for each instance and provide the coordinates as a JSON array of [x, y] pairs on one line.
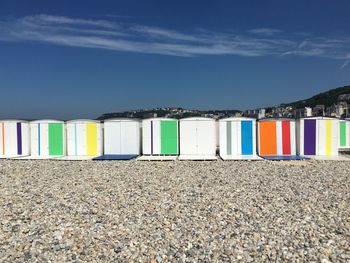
[[295, 163]]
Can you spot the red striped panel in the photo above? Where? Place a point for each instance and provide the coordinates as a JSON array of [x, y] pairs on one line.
[[286, 137]]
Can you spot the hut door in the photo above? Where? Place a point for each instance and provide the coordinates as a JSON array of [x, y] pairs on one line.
[[55, 131], [267, 138], [188, 137], [11, 139], [206, 143], [309, 137], [91, 139], [335, 137], [323, 138], [129, 138], [168, 133], [342, 133], [35, 139], [246, 137], [147, 137], [71, 139], [2, 138], [112, 138], [81, 139]]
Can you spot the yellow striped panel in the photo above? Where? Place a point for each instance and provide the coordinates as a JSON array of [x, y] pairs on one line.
[[328, 137], [91, 139]]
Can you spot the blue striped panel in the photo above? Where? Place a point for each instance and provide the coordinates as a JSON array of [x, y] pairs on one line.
[[247, 137]]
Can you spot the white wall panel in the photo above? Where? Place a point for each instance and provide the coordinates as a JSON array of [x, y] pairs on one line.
[[130, 137], [156, 137], [188, 137], [112, 138], [292, 137], [206, 138], [279, 137]]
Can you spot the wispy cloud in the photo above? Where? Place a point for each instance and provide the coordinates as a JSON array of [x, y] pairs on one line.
[[54, 20], [156, 32], [265, 31], [345, 64], [117, 36]]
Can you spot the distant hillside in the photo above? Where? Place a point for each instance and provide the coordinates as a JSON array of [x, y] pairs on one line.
[[327, 98], [176, 113]]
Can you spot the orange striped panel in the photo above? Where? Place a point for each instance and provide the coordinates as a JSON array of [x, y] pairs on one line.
[[267, 138]]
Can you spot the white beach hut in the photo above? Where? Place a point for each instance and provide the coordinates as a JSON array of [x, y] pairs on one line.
[[84, 139], [197, 139], [122, 139], [47, 139], [344, 134], [238, 139], [318, 137], [14, 138], [160, 139]]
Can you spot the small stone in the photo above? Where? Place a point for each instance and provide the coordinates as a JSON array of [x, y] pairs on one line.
[[27, 256]]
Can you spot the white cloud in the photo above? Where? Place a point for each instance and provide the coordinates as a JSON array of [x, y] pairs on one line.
[[108, 34]]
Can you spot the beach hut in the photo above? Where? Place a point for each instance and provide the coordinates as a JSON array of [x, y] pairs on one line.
[[276, 139], [84, 139], [197, 139], [47, 139], [121, 139], [344, 134], [14, 138], [160, 139], [318, 136], [237, 139]]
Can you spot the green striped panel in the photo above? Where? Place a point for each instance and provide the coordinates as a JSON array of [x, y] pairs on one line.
[[342, 131], [168, 137], [55, 139]]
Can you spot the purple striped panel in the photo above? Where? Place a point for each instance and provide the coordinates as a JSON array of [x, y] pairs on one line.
[[310, 137], [19, 138]]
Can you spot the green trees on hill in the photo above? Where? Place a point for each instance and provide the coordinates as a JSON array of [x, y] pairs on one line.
[[327, 98]]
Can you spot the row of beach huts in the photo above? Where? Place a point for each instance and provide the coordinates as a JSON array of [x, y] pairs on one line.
[[195, 138]]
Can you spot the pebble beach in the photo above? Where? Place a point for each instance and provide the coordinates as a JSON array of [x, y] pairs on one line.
[[133, 211]]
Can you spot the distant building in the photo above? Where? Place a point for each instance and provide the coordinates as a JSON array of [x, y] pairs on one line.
[[347, 111], [150, 115], [262, 113], [299, 113], [318, 110], [344, 97], [252, 112], [303, 112], [340, 109], [308, 111]]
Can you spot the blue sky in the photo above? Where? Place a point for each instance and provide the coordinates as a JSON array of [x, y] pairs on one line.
[[79, 59]]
